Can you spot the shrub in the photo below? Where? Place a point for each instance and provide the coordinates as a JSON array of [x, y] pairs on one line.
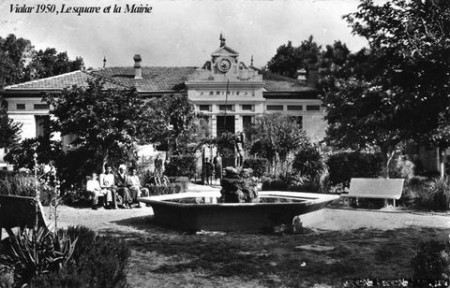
[[432, 261], [21, 155], [35, 253], [273, 184], [427, 194], [310, 162], [181, 182], [25, 185], [346, 165], [182, 166], [99, 261], [163, 190], [258, 165]]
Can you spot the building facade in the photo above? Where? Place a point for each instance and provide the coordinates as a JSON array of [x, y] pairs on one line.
[[230, 92]]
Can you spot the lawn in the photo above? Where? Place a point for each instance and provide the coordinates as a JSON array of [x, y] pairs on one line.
[[367, 244]]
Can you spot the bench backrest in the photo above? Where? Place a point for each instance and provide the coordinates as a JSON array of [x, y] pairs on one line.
[[376, 188], [20, 211]]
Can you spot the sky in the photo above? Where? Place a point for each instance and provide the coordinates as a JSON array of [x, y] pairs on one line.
[[179, 32]]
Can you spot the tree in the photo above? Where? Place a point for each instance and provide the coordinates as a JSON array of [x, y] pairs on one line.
[[174, 124], [398, 90], [108, 122], [21, 155], [289, 59], [9, 130], [275, 137], [19, 61], [48, 62], [14, 53]]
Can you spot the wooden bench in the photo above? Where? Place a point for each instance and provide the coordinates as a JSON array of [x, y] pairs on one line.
[[378, 188], [21, 211]]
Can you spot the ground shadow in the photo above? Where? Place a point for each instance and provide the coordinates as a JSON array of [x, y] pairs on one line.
[[274, 260]]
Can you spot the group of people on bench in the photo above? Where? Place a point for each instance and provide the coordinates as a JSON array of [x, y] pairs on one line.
[[119, 190]]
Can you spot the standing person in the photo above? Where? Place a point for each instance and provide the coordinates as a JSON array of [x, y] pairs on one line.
[[107, 182], [134, 184], [209, 168], [93, 187], [121, 182], [158, 170], [218, 167]]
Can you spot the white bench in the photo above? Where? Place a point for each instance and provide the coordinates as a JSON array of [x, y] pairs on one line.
[[378, 188]]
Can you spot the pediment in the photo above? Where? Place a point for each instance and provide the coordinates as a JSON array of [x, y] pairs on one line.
[[225, 51]]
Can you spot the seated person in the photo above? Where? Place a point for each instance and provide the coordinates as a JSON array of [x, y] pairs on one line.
[[93, 187], [122, 188], [107, 183], [134, 184]]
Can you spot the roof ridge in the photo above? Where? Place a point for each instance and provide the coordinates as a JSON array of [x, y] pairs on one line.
[[43, 79], [108, 79]]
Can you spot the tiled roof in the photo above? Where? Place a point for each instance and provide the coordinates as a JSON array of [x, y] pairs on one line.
[[278, 83], [59, 82], [154, 79]]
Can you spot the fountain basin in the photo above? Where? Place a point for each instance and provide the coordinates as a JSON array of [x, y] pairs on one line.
[[194, 211]]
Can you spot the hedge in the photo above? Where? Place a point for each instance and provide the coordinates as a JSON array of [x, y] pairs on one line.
[[346, 165], [182, 166], [258, 165]]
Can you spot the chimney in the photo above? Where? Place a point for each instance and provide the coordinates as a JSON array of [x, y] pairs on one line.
[[137, 66], [301, 75]]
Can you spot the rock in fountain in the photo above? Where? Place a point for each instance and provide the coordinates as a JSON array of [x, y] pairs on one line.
[[238, 186]]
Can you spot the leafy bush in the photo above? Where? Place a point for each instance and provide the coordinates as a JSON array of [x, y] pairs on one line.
[[21, 184], [182, 166], [273, 184], [181, 182], [289, 182], [21, 155], [98, 261], [258, 165], [346, 165], [163, 190], [35, 253], [427, 194], [310, 162], [432, 261], [76, 257]]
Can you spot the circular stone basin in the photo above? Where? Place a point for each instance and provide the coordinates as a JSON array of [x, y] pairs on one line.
[[194, 211]]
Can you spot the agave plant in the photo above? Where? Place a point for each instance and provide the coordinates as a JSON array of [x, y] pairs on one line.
[[37, 252]]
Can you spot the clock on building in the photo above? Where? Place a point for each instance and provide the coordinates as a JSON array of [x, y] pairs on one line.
[[224, 64]]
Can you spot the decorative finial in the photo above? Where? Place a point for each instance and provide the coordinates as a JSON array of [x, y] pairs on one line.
[[222, 40], [104, 61], [251, 61]]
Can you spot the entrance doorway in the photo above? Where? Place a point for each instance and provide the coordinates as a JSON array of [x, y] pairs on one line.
[[225, 124]]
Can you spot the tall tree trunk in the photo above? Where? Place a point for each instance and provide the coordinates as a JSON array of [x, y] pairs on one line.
[[388, 153]]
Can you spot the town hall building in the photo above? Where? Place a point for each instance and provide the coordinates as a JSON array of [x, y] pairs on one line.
[[231, 93]]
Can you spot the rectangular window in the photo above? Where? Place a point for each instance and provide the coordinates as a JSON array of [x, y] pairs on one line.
[[41, 107], [20, 106], [226, 107], [204, 107], [275, 107], [313, 108], [294, 107], [247, 107]]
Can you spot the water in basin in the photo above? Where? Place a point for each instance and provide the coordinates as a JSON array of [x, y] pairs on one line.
[[216, 200]]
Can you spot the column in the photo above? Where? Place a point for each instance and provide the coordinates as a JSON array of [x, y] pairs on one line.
[[213, 125], [238, 127]]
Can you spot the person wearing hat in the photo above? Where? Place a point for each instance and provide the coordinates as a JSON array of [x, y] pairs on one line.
[[122, 188]]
